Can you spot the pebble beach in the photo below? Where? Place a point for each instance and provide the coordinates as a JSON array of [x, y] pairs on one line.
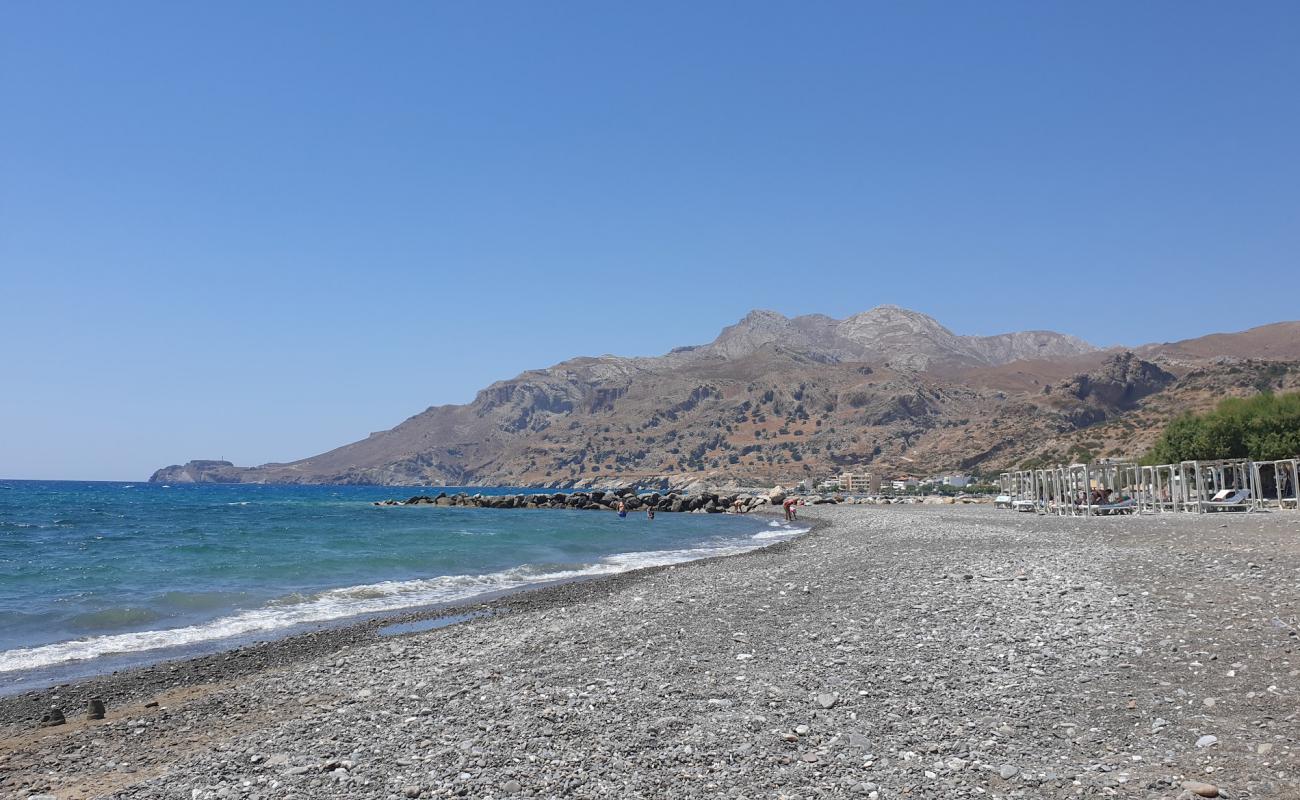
[[892, 652]]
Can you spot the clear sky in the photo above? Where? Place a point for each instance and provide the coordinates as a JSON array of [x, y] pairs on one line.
[[260, 230]]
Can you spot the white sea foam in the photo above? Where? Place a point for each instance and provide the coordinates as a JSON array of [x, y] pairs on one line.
[[780, 530], [353, 601]]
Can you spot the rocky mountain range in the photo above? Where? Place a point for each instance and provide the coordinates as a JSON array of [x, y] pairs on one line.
[[778, 399], [885, 334]]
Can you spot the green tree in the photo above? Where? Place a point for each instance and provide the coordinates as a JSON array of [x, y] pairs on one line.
[[1263, 428]]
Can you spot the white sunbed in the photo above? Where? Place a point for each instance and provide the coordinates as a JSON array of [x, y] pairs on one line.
[[1002, 501], [1024, 505], [1227, 500]]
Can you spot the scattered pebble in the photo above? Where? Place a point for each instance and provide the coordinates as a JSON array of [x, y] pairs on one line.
[[1073, 658]]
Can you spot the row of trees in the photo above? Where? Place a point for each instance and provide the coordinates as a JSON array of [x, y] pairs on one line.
[[1262, 428]]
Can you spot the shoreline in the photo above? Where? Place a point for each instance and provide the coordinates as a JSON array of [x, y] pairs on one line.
[[135, 683], [918, 652]]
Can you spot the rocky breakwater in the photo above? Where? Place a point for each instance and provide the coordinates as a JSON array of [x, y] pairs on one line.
[[701, 502], [706, 502]]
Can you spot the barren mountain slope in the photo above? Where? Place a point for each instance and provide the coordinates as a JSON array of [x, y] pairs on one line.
[[776, 399], [1277, 342], [1197, 390]]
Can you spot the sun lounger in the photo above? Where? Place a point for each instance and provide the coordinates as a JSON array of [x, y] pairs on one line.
[[1002, 501], [1024, 505], [1228, 500], [1127, 506]]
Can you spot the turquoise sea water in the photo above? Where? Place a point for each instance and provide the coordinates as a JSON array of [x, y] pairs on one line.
[[92, 571]]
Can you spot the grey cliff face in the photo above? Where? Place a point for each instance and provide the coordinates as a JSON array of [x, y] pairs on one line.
[[1120, 382], [887, 334]]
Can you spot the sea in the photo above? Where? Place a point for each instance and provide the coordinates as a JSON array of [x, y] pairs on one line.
[[100, 576]]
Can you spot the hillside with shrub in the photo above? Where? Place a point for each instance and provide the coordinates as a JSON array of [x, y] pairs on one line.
[[1262, 428]]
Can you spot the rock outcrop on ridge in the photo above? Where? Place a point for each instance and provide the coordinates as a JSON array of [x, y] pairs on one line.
[[886, 334]]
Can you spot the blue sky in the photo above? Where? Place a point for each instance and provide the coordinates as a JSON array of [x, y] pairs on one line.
[[260, 230]]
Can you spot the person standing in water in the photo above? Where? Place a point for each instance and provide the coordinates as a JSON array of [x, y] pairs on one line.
[[622, 509], [649, 512]]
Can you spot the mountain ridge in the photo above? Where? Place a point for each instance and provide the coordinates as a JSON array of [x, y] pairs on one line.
[[887, 333], [772, 398]]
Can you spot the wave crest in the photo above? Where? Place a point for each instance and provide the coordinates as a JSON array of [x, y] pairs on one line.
[[352, 601]]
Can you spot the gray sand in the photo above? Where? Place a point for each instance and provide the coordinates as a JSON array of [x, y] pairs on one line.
[[898, 652]]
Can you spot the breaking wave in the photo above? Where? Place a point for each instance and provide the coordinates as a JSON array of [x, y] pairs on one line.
[[780, 530], [351, 601]]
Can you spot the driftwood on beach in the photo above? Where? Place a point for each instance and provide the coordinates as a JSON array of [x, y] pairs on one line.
[[705, 502]]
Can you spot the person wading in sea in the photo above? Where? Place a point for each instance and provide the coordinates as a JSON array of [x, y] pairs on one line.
[[790, 513]]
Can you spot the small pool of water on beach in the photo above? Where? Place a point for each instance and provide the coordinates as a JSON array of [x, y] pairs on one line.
[[99, 573]]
